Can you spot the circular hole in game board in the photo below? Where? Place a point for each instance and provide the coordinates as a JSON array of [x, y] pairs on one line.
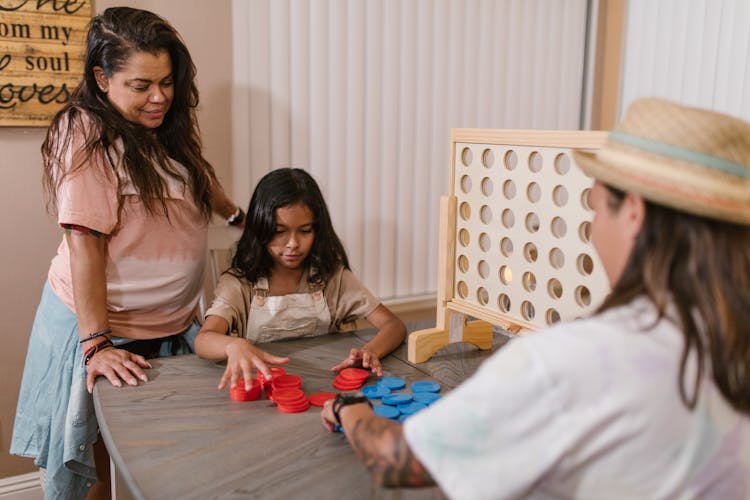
[[535, 162], [552, 316], [488, 158], [508, 218], [463, 289], [583, 296], [483, 296], [584, 231], [506, 247], [585, 264], [532, 222], [560, 196], [465, 183], [558, 227], [585, 199], [530, 252], [554, 288], [485, 242], [509, 189], [527, 310], [467, 157], [487, 186], [483, 269], [506, 275], [529, 281], [485, 213], [510, 160], [463, 263], [465, 211], [556, 258], [533, 192], [503, 303], [562, 164], [463, 237]]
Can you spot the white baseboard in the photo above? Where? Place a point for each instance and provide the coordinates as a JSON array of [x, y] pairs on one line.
[[22, 487]]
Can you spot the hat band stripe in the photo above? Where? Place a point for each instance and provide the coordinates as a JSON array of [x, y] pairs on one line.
[[680, 153]]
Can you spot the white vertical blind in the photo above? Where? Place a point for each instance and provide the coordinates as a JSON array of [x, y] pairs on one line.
[[692, 51], [363, 94]]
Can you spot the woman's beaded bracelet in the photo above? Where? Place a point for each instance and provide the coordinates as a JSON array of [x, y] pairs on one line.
[[94, 335], [94, 349]]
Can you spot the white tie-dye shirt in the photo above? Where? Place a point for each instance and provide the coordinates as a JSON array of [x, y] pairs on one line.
[[587, 410], [154, 263]]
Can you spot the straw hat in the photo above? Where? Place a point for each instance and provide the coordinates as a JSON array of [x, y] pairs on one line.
[[690, 159]]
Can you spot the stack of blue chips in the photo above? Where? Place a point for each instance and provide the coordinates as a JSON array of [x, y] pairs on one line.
[[401, 405]]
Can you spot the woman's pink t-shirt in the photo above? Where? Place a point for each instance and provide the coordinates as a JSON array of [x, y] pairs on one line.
[[154, 264]]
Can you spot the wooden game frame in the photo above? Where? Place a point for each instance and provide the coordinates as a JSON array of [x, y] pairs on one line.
[[574, 288]]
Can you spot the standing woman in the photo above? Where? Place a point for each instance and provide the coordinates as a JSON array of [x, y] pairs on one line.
[[126, 177], [649, 397]]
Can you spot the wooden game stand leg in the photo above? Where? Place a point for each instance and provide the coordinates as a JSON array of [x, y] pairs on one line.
[[424, 343]]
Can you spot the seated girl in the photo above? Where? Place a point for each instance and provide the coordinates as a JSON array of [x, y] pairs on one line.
[[290, 278]]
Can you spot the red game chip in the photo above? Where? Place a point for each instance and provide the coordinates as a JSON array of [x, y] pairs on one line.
[[276, 371], [298, 408], [344, 385], [289, 395], [354, 374], [240, 394], [286, 381], [319, 398]]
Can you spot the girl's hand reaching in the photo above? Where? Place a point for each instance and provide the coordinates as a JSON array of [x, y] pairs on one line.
[[241, 357], [364, 358]]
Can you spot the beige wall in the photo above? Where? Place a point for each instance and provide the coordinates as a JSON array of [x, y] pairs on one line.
[[29, 235]]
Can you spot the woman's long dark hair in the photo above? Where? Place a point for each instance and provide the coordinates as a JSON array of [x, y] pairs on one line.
[[113, 37], [702, 267], [280, 188]]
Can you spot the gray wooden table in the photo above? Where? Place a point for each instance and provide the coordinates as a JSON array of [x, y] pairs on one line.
[[178, 437]]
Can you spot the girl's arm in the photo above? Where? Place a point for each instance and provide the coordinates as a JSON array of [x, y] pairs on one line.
[[88, 257], [391, 334], [380, 444], [213, 343]]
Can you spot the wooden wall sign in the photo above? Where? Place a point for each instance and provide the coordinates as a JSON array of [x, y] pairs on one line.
[[41, 57]]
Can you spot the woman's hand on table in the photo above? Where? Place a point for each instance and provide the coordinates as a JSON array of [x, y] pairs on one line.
[[364, 358], [117, 365], [241, 357]]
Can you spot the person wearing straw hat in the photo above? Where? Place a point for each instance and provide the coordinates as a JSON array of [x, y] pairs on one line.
[[647, 398]]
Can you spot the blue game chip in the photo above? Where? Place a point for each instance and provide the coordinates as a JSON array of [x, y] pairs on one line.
[[426, 397], [386, 411], [375, 391], [338, 428], [411, 408], [392, 382], [403, 417], [425, 386], [396, 399]]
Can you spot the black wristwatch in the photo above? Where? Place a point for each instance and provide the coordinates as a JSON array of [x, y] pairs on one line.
[[345, 400], [236, 218]]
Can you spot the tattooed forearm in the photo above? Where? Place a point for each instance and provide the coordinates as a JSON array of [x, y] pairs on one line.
[[381, 445]]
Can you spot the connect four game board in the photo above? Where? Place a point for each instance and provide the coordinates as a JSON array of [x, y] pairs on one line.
[[515, 237]]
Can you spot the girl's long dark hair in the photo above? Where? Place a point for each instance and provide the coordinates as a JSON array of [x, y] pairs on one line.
[[282, 188], [702, 267], [112, 39]]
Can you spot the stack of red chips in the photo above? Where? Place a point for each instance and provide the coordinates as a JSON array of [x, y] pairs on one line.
[[290, 400], [276, 371], [286, 381], [350, 379], [239, 393]]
